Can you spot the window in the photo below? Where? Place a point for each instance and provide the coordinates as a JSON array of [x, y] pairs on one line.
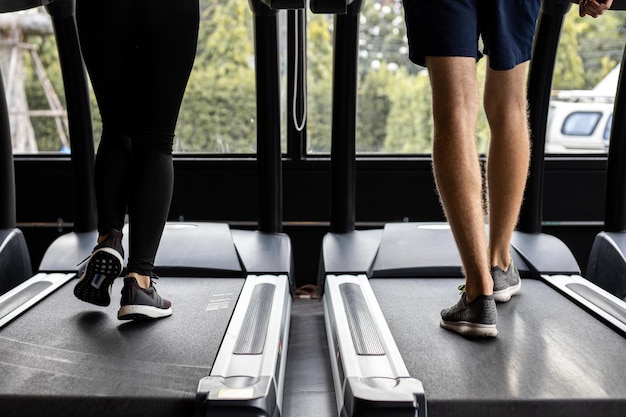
[[585, 82], [219, 110], [581, 123]]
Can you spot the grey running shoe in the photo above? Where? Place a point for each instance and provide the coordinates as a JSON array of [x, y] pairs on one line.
[[142, 303], [505, 283], [103, 266], [475, 319]]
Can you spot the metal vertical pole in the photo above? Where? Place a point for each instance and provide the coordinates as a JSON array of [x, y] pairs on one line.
[[615, 201], [343, 146], [540, 76], [268, 117], [79, 113], [7, 172]]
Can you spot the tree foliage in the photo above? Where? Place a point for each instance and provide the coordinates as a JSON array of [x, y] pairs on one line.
[[219, 110], [46, 132], [588, 50], [319, 82]]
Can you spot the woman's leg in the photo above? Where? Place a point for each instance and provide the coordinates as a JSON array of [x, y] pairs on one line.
[[166, 46], [107, 56], [105, 31]]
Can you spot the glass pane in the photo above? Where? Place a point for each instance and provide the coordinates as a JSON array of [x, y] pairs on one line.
[[580, 123], [218, 112], [219, 109], [33, 84], [319, 82], [394, 109], [394, 104], [393, 98], [585, 82]]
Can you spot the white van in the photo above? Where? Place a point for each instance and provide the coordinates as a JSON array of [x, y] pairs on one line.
[[579, 121], [579, 126]]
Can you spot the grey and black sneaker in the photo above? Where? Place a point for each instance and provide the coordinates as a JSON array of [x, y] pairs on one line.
[[142, 303], [103, 266], [475, 319], [505, 283]]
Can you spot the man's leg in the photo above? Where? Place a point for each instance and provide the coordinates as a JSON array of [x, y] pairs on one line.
[[509, 151], [456, 165]]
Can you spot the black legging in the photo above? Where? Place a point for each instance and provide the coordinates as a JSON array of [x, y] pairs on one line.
[[139, 54]]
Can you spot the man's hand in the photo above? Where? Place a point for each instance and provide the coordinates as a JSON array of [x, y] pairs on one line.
[[593, 8]]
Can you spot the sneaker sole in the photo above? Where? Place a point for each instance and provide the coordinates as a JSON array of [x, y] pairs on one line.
[[94, 286], [469, 329], [141, 312], [502, 296]]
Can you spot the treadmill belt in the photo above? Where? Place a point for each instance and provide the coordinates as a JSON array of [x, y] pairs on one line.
[[66, 350], [550, 358]]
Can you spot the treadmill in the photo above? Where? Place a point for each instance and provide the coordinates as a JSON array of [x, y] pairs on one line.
[[222, 352], [15, 265], [561, 349]]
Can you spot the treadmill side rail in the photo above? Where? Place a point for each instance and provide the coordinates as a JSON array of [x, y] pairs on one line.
[[29, 293], [15, 265], [369, 374], [603, 305], [249, 370]]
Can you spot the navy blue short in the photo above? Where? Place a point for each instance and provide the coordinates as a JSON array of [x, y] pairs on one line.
[[454, 27]]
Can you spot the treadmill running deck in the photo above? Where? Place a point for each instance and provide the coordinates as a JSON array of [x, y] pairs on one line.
[[551, 357], [73, 353]]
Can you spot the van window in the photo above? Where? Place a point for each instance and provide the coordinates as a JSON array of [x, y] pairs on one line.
[[581, 123]]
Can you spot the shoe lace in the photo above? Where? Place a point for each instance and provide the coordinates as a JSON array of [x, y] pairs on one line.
[[461, 288], [153, 278]]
